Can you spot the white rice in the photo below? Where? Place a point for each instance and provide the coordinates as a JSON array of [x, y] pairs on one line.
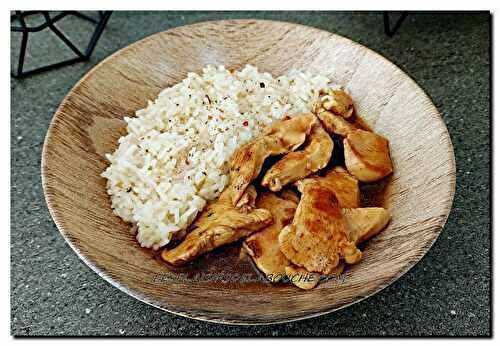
[[175, 156]]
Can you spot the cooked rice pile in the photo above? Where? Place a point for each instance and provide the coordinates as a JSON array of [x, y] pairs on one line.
[[175, 156]]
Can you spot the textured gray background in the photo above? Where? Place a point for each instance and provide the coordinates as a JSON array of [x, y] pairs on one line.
[[447, 293]]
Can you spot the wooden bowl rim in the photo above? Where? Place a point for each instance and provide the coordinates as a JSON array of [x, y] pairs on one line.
[[46, 180]]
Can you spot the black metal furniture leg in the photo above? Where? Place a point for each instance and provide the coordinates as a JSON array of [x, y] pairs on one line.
[[387, 25], [100, 23], [59, 34], [22, 53]]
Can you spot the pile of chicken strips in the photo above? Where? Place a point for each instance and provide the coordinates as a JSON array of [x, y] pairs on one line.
[[306, 218]]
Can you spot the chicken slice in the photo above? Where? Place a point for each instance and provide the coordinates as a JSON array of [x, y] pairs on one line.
[[301, 277], [336, 101], [290, 195], [220, 223], [263, 246], [299, 164], [367, 156], [246, 164], [342, 183], [247, 200], [364, 223], [336, 124], [317, 239], [289, 133], [361, 224], [281, 137]]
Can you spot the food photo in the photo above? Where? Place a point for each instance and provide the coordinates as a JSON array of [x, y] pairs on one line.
[[250, 173]]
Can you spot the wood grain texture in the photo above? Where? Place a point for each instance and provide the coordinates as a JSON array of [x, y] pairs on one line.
[[88, 122]]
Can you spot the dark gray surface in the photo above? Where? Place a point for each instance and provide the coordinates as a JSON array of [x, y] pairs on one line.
[[54, 293]]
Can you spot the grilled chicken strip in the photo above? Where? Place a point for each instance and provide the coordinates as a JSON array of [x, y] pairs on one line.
[[367, 156], [361, 224], [317, 239], [299, 164], [290, 195], [336, 101], [336, 124], [263, 246], [342, 183], [220, 223], [365, 223], [281, 137]]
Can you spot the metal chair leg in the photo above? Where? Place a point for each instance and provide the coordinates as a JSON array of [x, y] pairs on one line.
[[387, 25], [103, 17]]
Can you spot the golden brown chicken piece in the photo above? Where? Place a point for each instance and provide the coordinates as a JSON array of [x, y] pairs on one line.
[[336, 101], [281, 137], [246, 164], [290, 195], [247, 200], [361, 224], [301, 277], [299, 164], [342, 183], [336, 124], [263, 246], [367, 156], [364, 223], [317, 239], [220, 223]]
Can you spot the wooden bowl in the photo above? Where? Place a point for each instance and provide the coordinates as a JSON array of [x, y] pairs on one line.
[[89, 122]]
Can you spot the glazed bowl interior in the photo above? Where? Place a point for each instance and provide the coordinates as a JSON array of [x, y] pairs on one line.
[[90, 120]]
